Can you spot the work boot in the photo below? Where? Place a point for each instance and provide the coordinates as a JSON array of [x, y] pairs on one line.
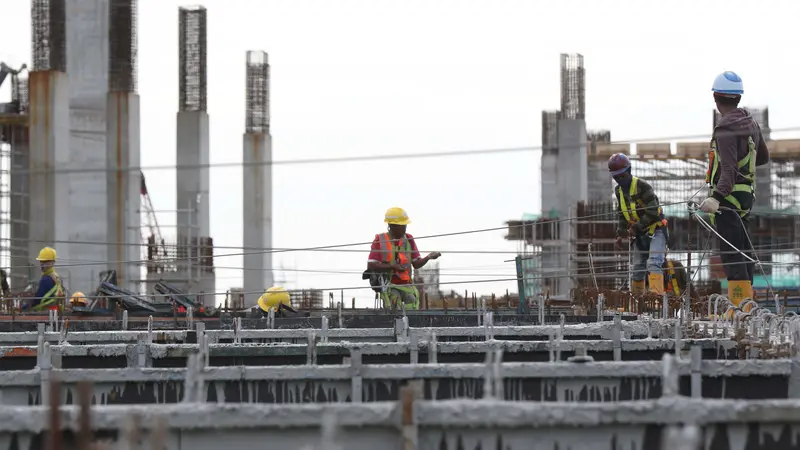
[[739, 290], [637, 287], [656, 281]]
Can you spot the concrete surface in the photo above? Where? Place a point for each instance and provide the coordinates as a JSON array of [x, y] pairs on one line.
[[174, 355], [257, 214], [484, 425], [124, 189], [603, 330], [564, 381], [87, 33]]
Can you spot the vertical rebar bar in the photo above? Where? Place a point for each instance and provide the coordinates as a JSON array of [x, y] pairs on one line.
[[122, 49], [257, 92], [48, 35], [192, 37]]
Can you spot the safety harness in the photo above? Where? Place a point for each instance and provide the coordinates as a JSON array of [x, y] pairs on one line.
[[746, 167], [673, 279], [630, 214], [402, 254], [53, 295]]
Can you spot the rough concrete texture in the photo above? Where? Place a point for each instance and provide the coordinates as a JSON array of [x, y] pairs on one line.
[[456, 425], [599, 381]]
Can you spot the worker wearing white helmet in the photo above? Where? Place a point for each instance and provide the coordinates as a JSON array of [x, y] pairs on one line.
[[737, 148], [391, 258]]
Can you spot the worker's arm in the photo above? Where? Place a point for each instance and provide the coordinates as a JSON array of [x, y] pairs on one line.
[[727, 148], [649, 214], [416, 259], [622, 224], [762, 151], [45, 284]]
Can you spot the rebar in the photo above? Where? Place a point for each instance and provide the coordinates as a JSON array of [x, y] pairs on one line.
[[48, 35], [122, 46], [573, 92], [257, 92], [192, 58]]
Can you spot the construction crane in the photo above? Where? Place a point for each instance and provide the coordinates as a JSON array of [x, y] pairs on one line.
[[156, 249]]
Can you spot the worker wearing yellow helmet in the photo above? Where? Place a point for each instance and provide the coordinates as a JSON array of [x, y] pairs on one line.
[[78, 299], [51, 288], [276, 299], [391, 259]]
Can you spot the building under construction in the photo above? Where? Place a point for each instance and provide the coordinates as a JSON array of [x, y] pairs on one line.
[[70, 156], [571, 244]]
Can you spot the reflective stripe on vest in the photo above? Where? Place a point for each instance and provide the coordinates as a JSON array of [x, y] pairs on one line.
[[745, 166], [401, 256], [53, 295], [671, 271], [630, 214]]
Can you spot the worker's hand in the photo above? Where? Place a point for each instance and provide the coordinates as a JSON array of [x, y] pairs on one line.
[[636, 229], [710, 205], [434, 255], [398, 267], [618, 243]]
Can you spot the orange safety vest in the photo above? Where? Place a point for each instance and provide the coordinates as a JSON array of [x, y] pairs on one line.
[[400, 254]]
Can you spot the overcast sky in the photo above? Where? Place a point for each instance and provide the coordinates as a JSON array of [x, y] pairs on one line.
[[380, 77]]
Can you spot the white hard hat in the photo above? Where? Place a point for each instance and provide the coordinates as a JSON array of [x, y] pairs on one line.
[[728, 83]]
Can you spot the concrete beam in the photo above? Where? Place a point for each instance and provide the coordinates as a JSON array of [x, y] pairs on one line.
[[545, 382], [428, 425], [603, 330]]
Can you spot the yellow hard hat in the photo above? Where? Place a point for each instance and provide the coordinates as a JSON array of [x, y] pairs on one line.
[[274, 297], [396, 216], [47, 254], [78, 299]]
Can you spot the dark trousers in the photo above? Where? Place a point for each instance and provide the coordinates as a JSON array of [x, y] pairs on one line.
[[734, 230]]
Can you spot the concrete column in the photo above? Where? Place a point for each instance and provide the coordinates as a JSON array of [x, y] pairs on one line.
[[49, 152], [124, 198], [192, 196], [257, 214], [87, 32], [19, 207]]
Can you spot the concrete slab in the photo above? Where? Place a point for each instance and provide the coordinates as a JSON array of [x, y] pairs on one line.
[[725, 424], [538, 382]]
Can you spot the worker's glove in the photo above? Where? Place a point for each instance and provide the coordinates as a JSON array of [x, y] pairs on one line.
[[710, 205], [637, 229]]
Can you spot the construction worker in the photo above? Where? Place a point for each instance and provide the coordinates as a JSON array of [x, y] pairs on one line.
[[78, 299], [737, 147], [642, 221], [276, 299], [51, 288], [391, 258]]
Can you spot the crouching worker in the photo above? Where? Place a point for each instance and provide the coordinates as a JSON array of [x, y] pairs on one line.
[[391, 259], [642, 220], [276, 299]]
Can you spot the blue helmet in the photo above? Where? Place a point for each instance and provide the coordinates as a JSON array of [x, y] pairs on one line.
[[728, 84]]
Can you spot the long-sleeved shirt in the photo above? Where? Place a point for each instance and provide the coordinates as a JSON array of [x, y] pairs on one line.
[[731, 135], [644, 195], [45, 284]]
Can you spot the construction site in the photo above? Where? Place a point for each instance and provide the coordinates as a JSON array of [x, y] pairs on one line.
[[154, 357], [569, 247]]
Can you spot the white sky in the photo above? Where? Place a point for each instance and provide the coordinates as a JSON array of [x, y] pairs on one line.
[[380, 77]]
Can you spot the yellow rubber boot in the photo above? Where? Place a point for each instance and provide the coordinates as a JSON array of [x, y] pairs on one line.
[[739, 290], [656, 281], [637, 287]]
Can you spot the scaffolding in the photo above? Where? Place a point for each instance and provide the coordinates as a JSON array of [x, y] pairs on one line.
[[122, 46], [257, 92], [573, 87], [48, 35], [192, 59]]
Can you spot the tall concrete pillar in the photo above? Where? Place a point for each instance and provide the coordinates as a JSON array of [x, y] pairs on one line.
[[257, 218], [195, 254], [87, 39], [257, 181], [49, 152], [122, 138]]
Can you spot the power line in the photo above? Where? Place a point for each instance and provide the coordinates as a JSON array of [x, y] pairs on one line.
[[359, 158]]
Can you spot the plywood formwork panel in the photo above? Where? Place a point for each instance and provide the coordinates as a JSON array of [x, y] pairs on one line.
[[660, 150], [606, 150], [693, 150]]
